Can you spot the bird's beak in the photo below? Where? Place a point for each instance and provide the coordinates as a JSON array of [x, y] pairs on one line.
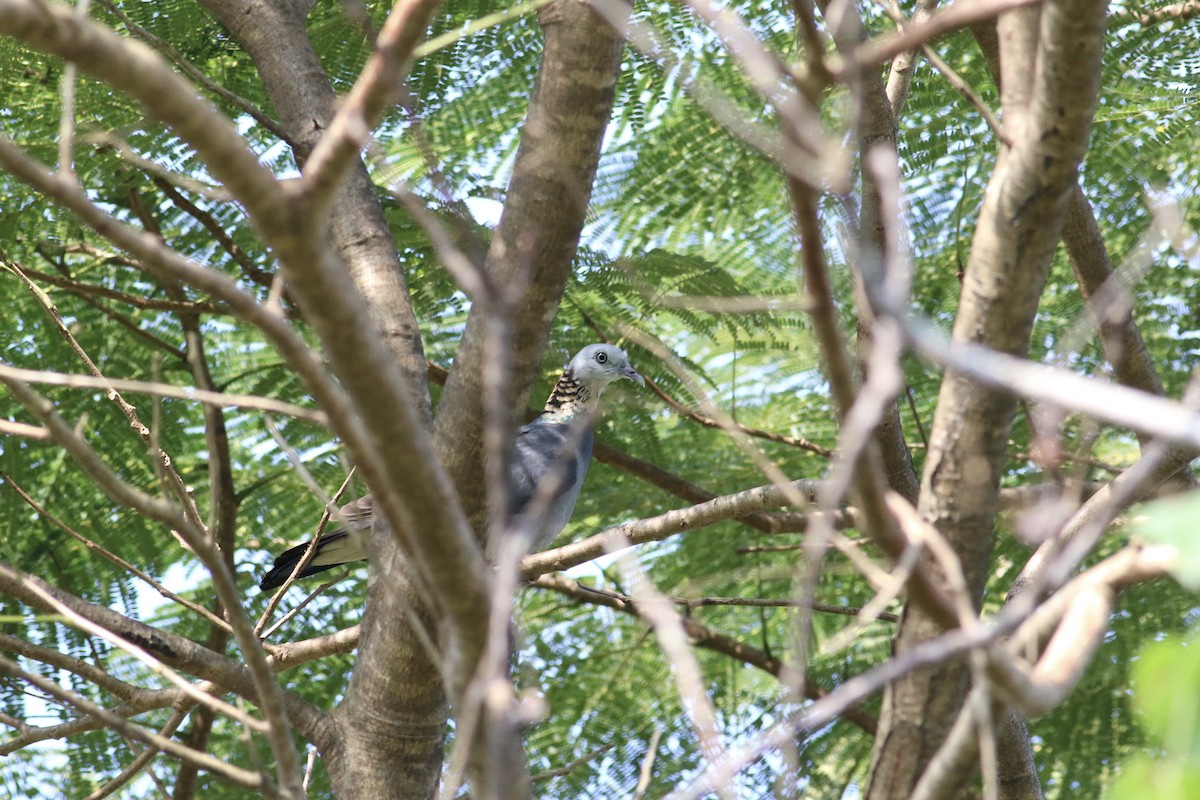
[[632, 374]]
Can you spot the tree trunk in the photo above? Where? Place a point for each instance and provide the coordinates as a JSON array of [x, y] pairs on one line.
[[1053, 54]]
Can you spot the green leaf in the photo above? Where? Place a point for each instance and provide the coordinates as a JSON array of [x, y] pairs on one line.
[[1166, 682], [1174, 521], [1147, 777]]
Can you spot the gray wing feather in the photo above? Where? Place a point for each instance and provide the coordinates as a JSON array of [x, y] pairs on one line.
[[549, 452], [342, 545], [539, 454], [545, 451]]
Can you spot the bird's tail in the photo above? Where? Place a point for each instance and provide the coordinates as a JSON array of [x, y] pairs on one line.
[[333, 549]]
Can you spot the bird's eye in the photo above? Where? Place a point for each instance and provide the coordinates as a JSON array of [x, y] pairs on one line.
[[601, 357]]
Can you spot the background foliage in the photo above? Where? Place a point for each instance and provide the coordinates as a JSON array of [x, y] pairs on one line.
[[680, 208]]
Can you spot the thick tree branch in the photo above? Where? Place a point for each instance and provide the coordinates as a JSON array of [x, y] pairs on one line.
[[1051, 58], [876, 243], [653, 529], [365, 366], [539, 229], [276, 37]]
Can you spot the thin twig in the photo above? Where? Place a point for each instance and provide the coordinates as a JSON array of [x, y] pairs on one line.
[[114, 558], [567, 769], [958, 15], [702, 636], [143, 759], [236, 775], [158, 389], [786, 602], [709, 422], [161, 459], [196, 75], [149, 661]]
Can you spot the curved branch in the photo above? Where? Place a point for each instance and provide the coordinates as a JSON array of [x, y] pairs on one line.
[[176, 651], [653, 529]]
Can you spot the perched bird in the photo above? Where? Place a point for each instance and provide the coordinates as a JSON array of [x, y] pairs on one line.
[[556, 447]]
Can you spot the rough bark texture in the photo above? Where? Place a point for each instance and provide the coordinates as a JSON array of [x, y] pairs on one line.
[[1016, 771], [533, 248], [539, 228], [877, 128], [1126, 351], [273, 33], [392, 725], [1051, 58], [390, 728]]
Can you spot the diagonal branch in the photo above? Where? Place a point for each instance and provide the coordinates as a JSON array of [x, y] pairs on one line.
[[702, 636], [171, 649], [653, 529], [218, 767], [267, 691]]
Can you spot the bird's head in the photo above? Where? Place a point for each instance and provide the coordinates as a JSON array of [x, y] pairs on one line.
[[598, 365]]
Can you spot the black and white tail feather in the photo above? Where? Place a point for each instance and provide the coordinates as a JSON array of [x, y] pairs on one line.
[[553, 452]]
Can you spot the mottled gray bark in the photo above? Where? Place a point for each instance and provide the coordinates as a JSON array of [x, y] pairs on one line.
[[1051, 57], [392, 725]]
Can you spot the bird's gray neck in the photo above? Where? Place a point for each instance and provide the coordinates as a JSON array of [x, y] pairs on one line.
[[570, 400]]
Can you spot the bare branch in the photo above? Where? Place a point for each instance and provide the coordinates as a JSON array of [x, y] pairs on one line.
[[362, 108], [150, 661], [669, 629], [35, 433], [1131, 565], [143, 759], [653, 529], [702, 636], [958, 15], [1188, 9], [269, 694], [114, 558], [708, 422], [768, 602], [195, 74], [157, 389], [1150, 414], [218, 767]]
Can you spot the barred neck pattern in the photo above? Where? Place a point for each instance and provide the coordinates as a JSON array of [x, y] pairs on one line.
[[569, 399]]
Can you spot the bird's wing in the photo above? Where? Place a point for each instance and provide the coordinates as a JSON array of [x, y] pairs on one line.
[[356, 514], [546, 451], [333, 549], [348, 542]]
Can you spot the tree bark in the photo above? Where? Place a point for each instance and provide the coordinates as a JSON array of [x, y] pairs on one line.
[[391, 727], [1126, 351], [539, 228], [274, 35], [1052, 61]]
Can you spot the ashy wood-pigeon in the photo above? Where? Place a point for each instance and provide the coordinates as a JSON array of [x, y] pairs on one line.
[[556, 446]]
